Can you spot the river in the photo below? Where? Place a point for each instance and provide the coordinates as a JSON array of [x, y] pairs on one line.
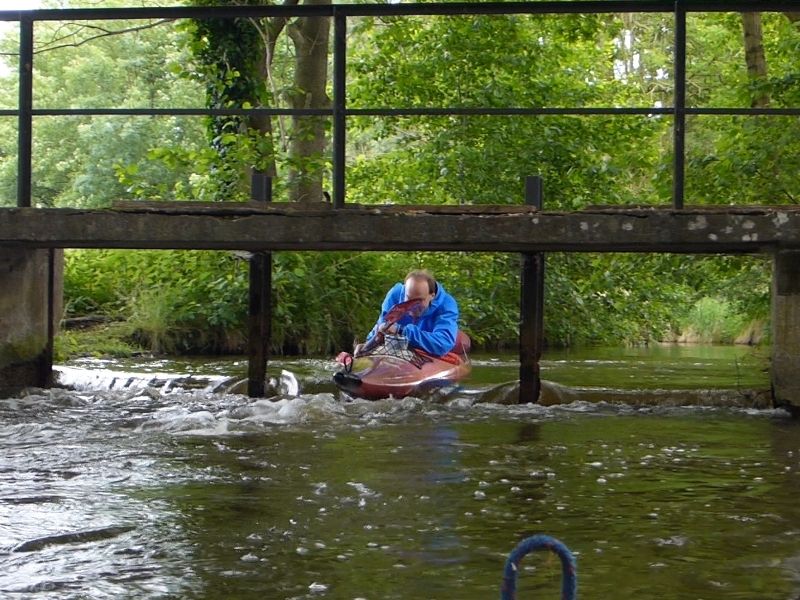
[[173, 490]]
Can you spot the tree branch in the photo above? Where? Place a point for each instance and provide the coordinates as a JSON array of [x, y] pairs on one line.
[[105, 33], [276, 26]]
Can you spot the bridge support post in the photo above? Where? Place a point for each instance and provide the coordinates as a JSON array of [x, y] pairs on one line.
[[30, 302], [260, 310], [531, 320], [786, 328]]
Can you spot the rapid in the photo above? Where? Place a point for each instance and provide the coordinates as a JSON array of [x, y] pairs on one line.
[[151, 479]]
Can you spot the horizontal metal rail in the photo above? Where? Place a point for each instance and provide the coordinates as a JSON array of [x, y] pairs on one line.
[[402, 10], [339, 111], [396, 112]]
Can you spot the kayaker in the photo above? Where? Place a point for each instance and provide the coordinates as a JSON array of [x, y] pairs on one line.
[[436, 327]]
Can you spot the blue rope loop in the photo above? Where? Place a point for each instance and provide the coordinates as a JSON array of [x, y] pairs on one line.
[[569, 579]]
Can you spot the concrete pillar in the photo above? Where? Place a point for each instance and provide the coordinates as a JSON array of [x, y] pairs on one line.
[[30, 309], [786, 328]]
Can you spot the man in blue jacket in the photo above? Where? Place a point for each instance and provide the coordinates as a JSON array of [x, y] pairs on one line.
[[434, 330]]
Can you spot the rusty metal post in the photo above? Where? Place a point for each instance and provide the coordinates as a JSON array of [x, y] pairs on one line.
[[25, 112], [531, 321], [679, 112], [339, 105], [260, 310]]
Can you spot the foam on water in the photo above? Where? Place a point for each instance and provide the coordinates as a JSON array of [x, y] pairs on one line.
[[79, 378]]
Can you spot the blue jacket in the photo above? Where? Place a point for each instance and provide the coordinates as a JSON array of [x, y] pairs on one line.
[[434, 331]]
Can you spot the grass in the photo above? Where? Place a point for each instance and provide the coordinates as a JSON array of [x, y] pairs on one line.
[[107, 340]]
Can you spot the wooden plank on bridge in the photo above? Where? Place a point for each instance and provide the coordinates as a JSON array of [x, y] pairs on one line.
[[224, 208], [702, 230]]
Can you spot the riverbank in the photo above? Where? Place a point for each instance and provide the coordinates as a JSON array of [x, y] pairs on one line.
[[110, 339]]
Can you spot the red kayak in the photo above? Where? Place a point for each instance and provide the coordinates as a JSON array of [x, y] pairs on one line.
[[389, 370]]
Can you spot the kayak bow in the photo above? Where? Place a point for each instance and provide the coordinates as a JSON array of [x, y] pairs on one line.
[[391, 372]]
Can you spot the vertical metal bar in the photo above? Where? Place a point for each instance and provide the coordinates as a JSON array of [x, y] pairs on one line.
[[679, 125], [25, 111], [260, 187], [533, 191], [260, 306], [531, 321], [339, 105]]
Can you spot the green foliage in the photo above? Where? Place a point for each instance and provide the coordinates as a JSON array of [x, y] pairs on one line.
[[192, 301], [228, 53], [627, 299], [112, 340], [741, 160], [196, 301], [323, 300], [712, 320], [76, 159], [89, 289], [455, 61], [744, 160], [173, 301]]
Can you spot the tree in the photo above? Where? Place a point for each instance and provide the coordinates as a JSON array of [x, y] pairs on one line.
[[754, 55], [310, 36], [78, 160], [455, 61], [554, 61], [237, 58], [739, 160]]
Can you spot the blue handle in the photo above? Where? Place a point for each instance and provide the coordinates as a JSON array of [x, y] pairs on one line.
[[569, 579]]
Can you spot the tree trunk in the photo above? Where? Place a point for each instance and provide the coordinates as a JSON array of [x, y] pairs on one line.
[[262, 124], [754, 56], [306, 150], [270, 30]]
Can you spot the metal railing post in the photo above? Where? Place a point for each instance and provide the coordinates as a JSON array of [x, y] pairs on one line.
[[339, 106], [25, 112], [531, 311], [679, 115], [260, 304]]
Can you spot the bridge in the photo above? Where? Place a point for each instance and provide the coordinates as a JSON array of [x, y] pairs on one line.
[[30, 238]]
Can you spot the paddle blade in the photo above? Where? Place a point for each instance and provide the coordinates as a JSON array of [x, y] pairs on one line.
[[412, 307]]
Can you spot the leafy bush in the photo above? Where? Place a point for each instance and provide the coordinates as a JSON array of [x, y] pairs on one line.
[[712, 320]]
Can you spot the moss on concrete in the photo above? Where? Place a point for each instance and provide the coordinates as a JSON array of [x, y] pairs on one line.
[[21, 351]]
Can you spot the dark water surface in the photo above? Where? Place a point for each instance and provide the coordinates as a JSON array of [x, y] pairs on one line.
[[178, 493]]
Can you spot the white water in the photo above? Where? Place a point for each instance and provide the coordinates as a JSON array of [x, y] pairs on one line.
[[144, 482]]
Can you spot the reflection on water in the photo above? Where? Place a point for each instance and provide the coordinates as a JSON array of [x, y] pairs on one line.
[[132, 493]]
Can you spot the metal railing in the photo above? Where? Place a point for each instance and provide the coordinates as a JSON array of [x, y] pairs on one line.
[[339, 111]]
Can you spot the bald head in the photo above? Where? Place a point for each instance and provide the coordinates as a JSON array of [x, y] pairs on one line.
[[420, 286]]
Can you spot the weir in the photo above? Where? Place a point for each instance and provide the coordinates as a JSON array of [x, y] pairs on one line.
[[31, 237]]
